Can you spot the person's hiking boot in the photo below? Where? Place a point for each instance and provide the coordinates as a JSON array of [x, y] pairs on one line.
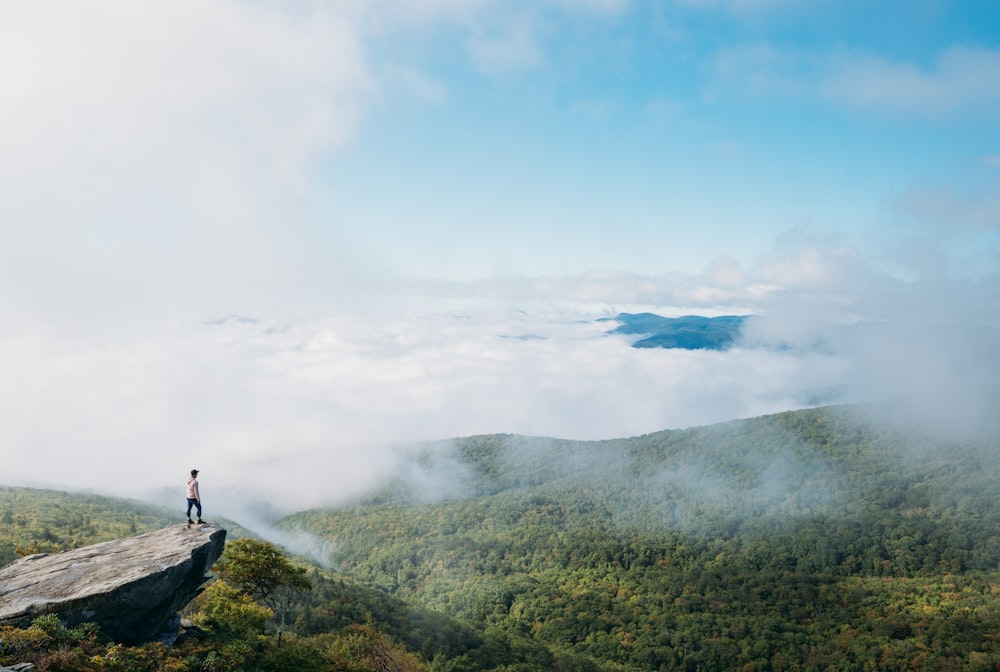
[[190, 522], [200, 521]]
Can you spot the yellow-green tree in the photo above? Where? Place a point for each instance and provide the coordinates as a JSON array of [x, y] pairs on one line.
[[263, 572], [230, 613]]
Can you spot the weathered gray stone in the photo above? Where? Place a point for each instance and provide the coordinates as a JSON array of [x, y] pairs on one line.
[[133, 588]]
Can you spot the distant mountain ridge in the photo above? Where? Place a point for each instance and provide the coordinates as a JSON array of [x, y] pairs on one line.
[[688, 332]]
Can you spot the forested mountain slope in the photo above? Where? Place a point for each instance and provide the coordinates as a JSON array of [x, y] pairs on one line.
[[338, 619], [809, 540], [38, 520], [44, 521], [793, 541]]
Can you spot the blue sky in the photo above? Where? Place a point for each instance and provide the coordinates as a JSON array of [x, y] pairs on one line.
[[658, 136], [422, 206]]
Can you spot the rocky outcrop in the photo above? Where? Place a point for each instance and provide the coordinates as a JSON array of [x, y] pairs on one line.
[[133, 588]]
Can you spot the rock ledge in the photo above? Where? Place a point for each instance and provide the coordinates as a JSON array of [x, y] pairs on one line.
[[133, 588]]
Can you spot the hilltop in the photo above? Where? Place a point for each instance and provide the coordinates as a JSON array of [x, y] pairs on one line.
[[689, 332], [738, 544]]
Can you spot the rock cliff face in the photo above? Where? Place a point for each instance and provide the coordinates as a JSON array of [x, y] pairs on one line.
[[133, 588]]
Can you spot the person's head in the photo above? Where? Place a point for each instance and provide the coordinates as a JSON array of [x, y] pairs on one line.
[[194, 472]]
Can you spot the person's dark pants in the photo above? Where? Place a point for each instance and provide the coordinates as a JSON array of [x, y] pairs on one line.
[[195, 503]]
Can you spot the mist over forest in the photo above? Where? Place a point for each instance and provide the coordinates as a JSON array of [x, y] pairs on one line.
[[805, 539]]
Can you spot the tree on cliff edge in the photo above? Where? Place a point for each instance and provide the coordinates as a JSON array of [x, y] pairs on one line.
[[262, 571]]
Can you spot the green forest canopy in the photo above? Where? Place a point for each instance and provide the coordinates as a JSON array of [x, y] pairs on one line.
[[818, 539], [791, 537]]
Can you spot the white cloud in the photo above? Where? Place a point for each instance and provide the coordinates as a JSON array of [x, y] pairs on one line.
[[422, 85], [162, 158], [949, 211], [154, 153], [960, 78], [301, 413], [947, 229], [177, 87], [757, 69], [745, 7], [510, 47], [500, 37], [308, 413]]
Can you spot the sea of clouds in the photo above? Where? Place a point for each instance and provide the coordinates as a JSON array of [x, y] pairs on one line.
[[301, 412]]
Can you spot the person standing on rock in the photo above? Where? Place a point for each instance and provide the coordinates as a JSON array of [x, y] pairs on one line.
[[194, 497]]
